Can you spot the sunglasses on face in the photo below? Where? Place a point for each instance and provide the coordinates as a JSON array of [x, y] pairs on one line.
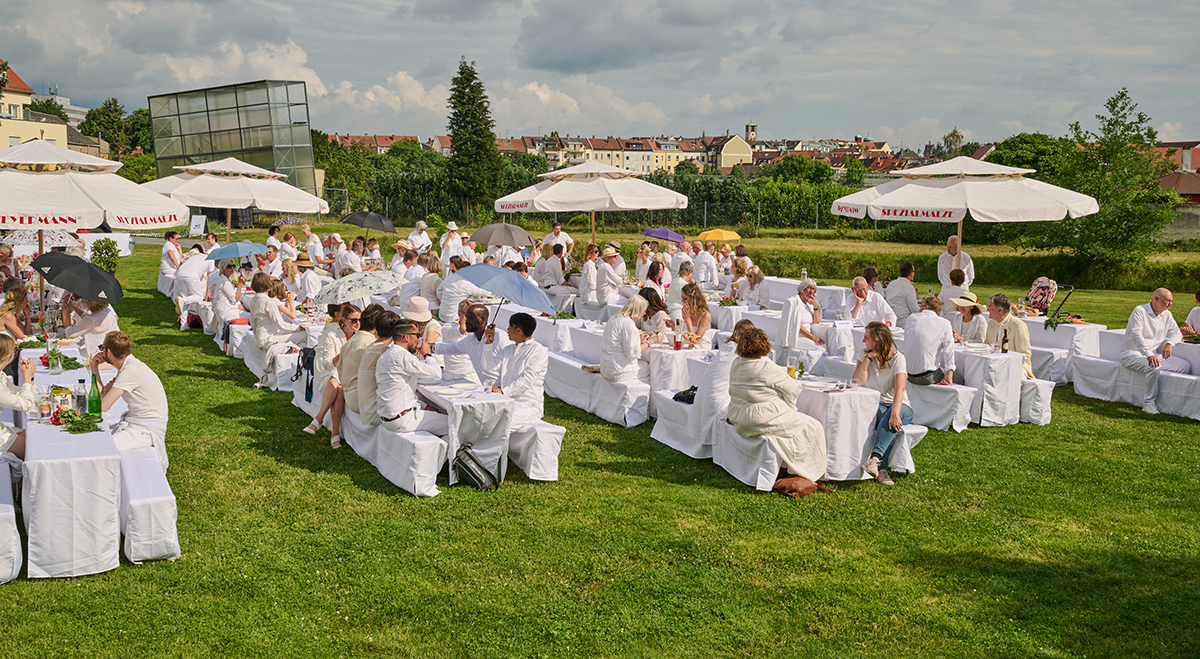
[[353, 320]]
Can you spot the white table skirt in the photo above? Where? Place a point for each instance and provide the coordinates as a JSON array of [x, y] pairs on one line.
[[997, 380], [555, 336], [1189, 352], [669, 370], [588, 345], [724, 318], [483, 420], [846, 417], [1077, 340], [11, 555]]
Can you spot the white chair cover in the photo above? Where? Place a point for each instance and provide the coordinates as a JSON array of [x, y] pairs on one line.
[[148, 510], [622, 403], [1050, 364], [566, 381], [1035, 401], [535, 448], [910, 436], [11, 556], [409, 460], [751, 461], [672, 428], [942, 406]]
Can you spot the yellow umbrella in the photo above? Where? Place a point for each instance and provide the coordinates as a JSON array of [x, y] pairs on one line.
[[719, 234]]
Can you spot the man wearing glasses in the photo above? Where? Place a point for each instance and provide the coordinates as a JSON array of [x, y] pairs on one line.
[[396, 375], [145, 422]]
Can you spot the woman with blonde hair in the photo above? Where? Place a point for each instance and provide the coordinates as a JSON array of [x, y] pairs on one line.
[[621, 359], [725, 261], [756, 295], [14, 314], [288, 249], [12, 397], [762, 404], [290, 276], [643, 261], [738, 281], [431, 284], [697, 318], [883, 368]]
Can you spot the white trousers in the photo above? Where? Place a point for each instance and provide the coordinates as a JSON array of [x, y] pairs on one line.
[[1138, 363], [431, 422]]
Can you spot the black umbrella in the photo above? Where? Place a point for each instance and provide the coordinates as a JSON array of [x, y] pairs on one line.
[[368, 221], [502, 234], [77, 276]]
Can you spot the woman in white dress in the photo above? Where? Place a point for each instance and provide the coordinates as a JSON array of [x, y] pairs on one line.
[[737, 282], [94, 321], [974, 322], [325, 380], [12, 397], [762, 403], [654, 278], [621, 360], [642, 267], [656, 320], [288, 249], [697, 317], [883, 368], [270, 325], [224, 294], [755, 293], [170, 257]]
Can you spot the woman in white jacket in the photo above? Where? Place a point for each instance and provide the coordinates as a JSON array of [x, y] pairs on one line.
[[270, 326], [325, 380], [12, 397], [623, 346], [95, 320], [762, 403], [756, 294]]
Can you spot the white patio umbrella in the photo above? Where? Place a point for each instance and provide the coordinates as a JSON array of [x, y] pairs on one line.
[[591, 187], [989, 192], [231, 183]]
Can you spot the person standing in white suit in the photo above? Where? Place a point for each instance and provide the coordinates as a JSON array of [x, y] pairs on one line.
[[946, 263]]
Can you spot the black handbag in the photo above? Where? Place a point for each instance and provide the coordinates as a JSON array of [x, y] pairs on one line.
[[468, 468], [686, 396], [306, 362]]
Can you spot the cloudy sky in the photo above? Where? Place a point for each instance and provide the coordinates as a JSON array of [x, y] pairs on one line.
[[905, 71]]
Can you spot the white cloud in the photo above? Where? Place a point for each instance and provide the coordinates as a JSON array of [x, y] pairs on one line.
[[1172, 132], [738, 102], [1015, 127]]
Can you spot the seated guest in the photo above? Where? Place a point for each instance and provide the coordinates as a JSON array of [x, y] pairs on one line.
[[287, 299], [288, 249], [352, 355], [755, 293], [973, 328], [725, 261], [872, 276], [762, 403], [800, 314], [270, 326], [697, 318], [373, 250], [608, 282], [929, 345], [274, 264], [12, 397], [706, 267], [621, 359], [144, 422], [642, 265], [417, 311], [740, 253], [881, 367], [224, 295], [737, 282], [402, 364], [397, 263], [272, 237], [458, 366], [1003, 323], [325, 381], [675, 293], [902, 295], [431, 284], [309, 283], [368, 400], [95, 320], [520, 268], [191, 278], [1190, 325], [539, 272], [291, 277], [407, 259], [682, 255], [170, 257], [7, 268], [952, 291], [1150, 337], [588, 293], [656, 319], [655, 276], [520, 368], [418, 269], [14, 314], [455, 290], [351, 259], [619, 266], [869, 306], [472, 344]]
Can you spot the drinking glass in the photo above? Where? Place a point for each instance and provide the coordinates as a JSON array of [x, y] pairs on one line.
[[792, 362]]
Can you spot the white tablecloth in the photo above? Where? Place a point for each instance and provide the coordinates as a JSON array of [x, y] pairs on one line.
[[1189, 352], [483, 420], [724, 318], [833, 298], [846, 417], [555, 336], [997, 379], [587, 345], [838, 341], [1077, 340]]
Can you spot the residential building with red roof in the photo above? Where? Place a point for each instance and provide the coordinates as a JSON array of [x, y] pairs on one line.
[[377, 143], [19, 125], [1185, 156]]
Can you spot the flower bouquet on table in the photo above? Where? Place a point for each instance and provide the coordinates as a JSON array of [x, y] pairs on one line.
[[74, 422], [729, 302]]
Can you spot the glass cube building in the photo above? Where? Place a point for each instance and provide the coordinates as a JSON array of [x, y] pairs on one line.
[[264, 123]]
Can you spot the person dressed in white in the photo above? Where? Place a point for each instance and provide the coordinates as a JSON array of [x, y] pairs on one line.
[[170, 259], [95, 321], [520, 368], [1150, 337], [273, 238], [145, 420], [947, 262], [316, 253], [869, 306], [451, 243], [756, 294], [587, 281], [397, 264], [955, 289], [210, 242], [1192, 324], [973, 327], [675, 293], [397, 372], [619, 266], [288, 249], [762, 404], [872, 276], [902, 295], [621, 357], [472, 344], [608, 282], [706, 268], [352, 355], [504, 254], [559, 237], [326, 385], [18, 399], [270, 327], [642, 265], [799, 317], [455, 290], [351, 260], [682, 255], [418, 240], [368, 392], [224, 294], [309, 284], [929, 345]]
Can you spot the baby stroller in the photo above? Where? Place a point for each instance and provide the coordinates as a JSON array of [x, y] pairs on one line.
[[1042, 293]]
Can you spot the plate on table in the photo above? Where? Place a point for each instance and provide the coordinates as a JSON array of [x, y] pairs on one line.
[[980, 351], [464, 386], [977, 346], [429, 382], [446, 391]]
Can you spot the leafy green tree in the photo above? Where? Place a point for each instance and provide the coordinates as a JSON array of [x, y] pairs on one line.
[[476, 169], [139, 168], [686, 168], [969, 148], [1120, 167], [952, 142], [796, 168], [49, 106], [3, 76], [1031, 151], [108, 123], [137, 127], [350, 169], [855, 175]]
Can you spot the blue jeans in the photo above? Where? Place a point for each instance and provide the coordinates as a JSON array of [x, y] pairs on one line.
[[885, 437]]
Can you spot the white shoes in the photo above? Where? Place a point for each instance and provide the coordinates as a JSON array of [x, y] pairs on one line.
[[1150, 408], [179, 306]]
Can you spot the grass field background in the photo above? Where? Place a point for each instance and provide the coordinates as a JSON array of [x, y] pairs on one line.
[[1077, 539]]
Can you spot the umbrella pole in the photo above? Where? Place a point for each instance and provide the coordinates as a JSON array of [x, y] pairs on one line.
[[41, 279], [593, 227], [228, 224], [958, 256]]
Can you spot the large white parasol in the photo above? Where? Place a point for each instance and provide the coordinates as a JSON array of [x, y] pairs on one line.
[[947, 191], [231, 183], [591, 187]]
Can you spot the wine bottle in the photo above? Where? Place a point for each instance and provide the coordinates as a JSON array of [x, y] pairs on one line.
[[93, 400], [1004, 342]]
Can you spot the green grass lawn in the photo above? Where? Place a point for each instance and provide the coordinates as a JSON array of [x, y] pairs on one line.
[[1078, 539]]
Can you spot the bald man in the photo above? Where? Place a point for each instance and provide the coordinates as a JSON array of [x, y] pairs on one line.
[[946, 264], [1149, 338]]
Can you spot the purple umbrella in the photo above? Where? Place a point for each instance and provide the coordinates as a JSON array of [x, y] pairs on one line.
[[664, 234]]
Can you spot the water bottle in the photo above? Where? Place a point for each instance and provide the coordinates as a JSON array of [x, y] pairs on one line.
[[81, 396], [803, 273]]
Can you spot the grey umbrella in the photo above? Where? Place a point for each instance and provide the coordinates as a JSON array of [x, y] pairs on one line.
[[502, 234]]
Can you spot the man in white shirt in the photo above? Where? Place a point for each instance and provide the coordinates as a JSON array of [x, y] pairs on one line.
[[417, 269], [946, 263], [418, 240], [587, 279], [559, 237], [351, 259], [145, 421], [683, 254], [619, 266], [467, 252], [269, 264], [451, 243], [929, 345], [608, 282], [705, 272], [1149, 339], [472, 344], [504, 254], [675, 293], [454, 290], [396, 374], [870, 306], [520, 368], [1192, 324], [902, 295]]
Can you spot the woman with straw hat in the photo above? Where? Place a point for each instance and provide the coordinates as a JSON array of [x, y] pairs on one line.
[[974, 323]]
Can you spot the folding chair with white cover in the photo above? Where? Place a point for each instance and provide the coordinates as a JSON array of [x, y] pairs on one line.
[[1105, 378], [535, 447], [11, 556], [1035, 401], [148, 509], [751, 461], [623, 403], [166, 284], [901, 458], [672, 426]]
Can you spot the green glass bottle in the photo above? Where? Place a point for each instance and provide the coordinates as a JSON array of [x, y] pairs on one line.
[[93, 400]]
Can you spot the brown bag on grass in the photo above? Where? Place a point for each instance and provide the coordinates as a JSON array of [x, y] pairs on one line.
[[796, 487]]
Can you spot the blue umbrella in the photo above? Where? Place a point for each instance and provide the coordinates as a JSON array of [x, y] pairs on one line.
[[237, 251], [508, 284], [664, 234]]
